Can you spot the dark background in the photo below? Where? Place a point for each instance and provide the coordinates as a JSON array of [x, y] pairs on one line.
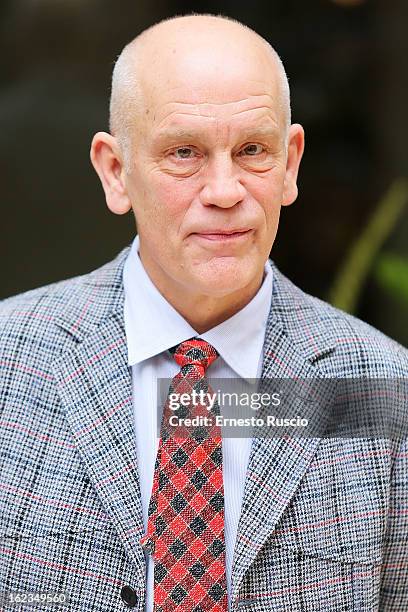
[[346, 63]]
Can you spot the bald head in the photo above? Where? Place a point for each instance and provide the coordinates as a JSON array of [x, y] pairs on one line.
[[200, 147], [185, 48]]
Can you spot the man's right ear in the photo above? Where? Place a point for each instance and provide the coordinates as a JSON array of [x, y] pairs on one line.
[[107, 160]]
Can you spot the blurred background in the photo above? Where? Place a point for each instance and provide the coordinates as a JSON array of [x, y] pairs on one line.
[[344, 240]]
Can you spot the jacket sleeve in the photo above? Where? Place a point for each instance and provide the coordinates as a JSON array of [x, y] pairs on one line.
[[394, 574]]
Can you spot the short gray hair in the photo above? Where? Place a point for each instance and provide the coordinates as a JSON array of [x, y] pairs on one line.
[[126, 98]]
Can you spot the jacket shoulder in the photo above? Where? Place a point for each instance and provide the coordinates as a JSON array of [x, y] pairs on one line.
[[27, 322], [78, 302], [359, 349]]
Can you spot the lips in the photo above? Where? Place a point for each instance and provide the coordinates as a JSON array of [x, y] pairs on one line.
[[222, 232], [223, 235]]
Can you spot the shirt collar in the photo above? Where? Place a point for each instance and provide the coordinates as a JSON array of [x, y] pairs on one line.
[[152, 324]]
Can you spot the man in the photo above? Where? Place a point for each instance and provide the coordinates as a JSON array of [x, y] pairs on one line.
[[202, 150]]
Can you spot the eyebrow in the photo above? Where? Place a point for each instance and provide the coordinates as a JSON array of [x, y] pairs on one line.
[[177, 134], [269, 131], [262, 130]]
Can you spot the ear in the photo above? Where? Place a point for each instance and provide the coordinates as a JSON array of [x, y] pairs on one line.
[[107, 160], [296, 145]]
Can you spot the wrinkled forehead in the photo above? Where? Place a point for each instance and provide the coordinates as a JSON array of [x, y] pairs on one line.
[[211, 77]]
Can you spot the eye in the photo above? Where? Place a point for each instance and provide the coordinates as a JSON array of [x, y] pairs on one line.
[[183, 153], [252, 149]]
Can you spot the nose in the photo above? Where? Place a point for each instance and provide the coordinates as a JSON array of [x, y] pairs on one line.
[[222, 185]]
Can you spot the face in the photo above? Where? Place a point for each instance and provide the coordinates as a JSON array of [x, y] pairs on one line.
[[209, 173]]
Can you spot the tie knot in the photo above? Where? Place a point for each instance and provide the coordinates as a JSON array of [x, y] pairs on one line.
[[195, 351]]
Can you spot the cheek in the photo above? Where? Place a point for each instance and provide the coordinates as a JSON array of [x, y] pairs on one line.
[[268, 184], [172, 197], [268, 192]]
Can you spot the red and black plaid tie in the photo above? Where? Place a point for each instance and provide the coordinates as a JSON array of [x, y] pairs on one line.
[[185, 531]]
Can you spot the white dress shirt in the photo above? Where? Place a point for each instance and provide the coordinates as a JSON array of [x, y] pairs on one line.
[[152, 326]]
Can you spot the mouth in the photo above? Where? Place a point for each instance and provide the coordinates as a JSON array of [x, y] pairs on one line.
[[223, 236]]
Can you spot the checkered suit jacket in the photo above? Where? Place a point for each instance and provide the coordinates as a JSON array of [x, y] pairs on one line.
[[324, 521]]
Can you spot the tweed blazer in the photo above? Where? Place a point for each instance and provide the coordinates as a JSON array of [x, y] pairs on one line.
[[324, 521]]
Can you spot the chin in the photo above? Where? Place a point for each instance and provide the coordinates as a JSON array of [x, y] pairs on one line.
[[221, 280]]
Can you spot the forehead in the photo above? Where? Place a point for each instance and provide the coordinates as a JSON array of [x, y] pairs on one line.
[[180, 116], [248, 116], [222, 84]]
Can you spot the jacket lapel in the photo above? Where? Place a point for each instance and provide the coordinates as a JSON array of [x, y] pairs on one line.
[[95, 386], [293, 342]]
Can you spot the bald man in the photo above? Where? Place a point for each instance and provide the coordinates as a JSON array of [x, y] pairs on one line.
[[103, 506]]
